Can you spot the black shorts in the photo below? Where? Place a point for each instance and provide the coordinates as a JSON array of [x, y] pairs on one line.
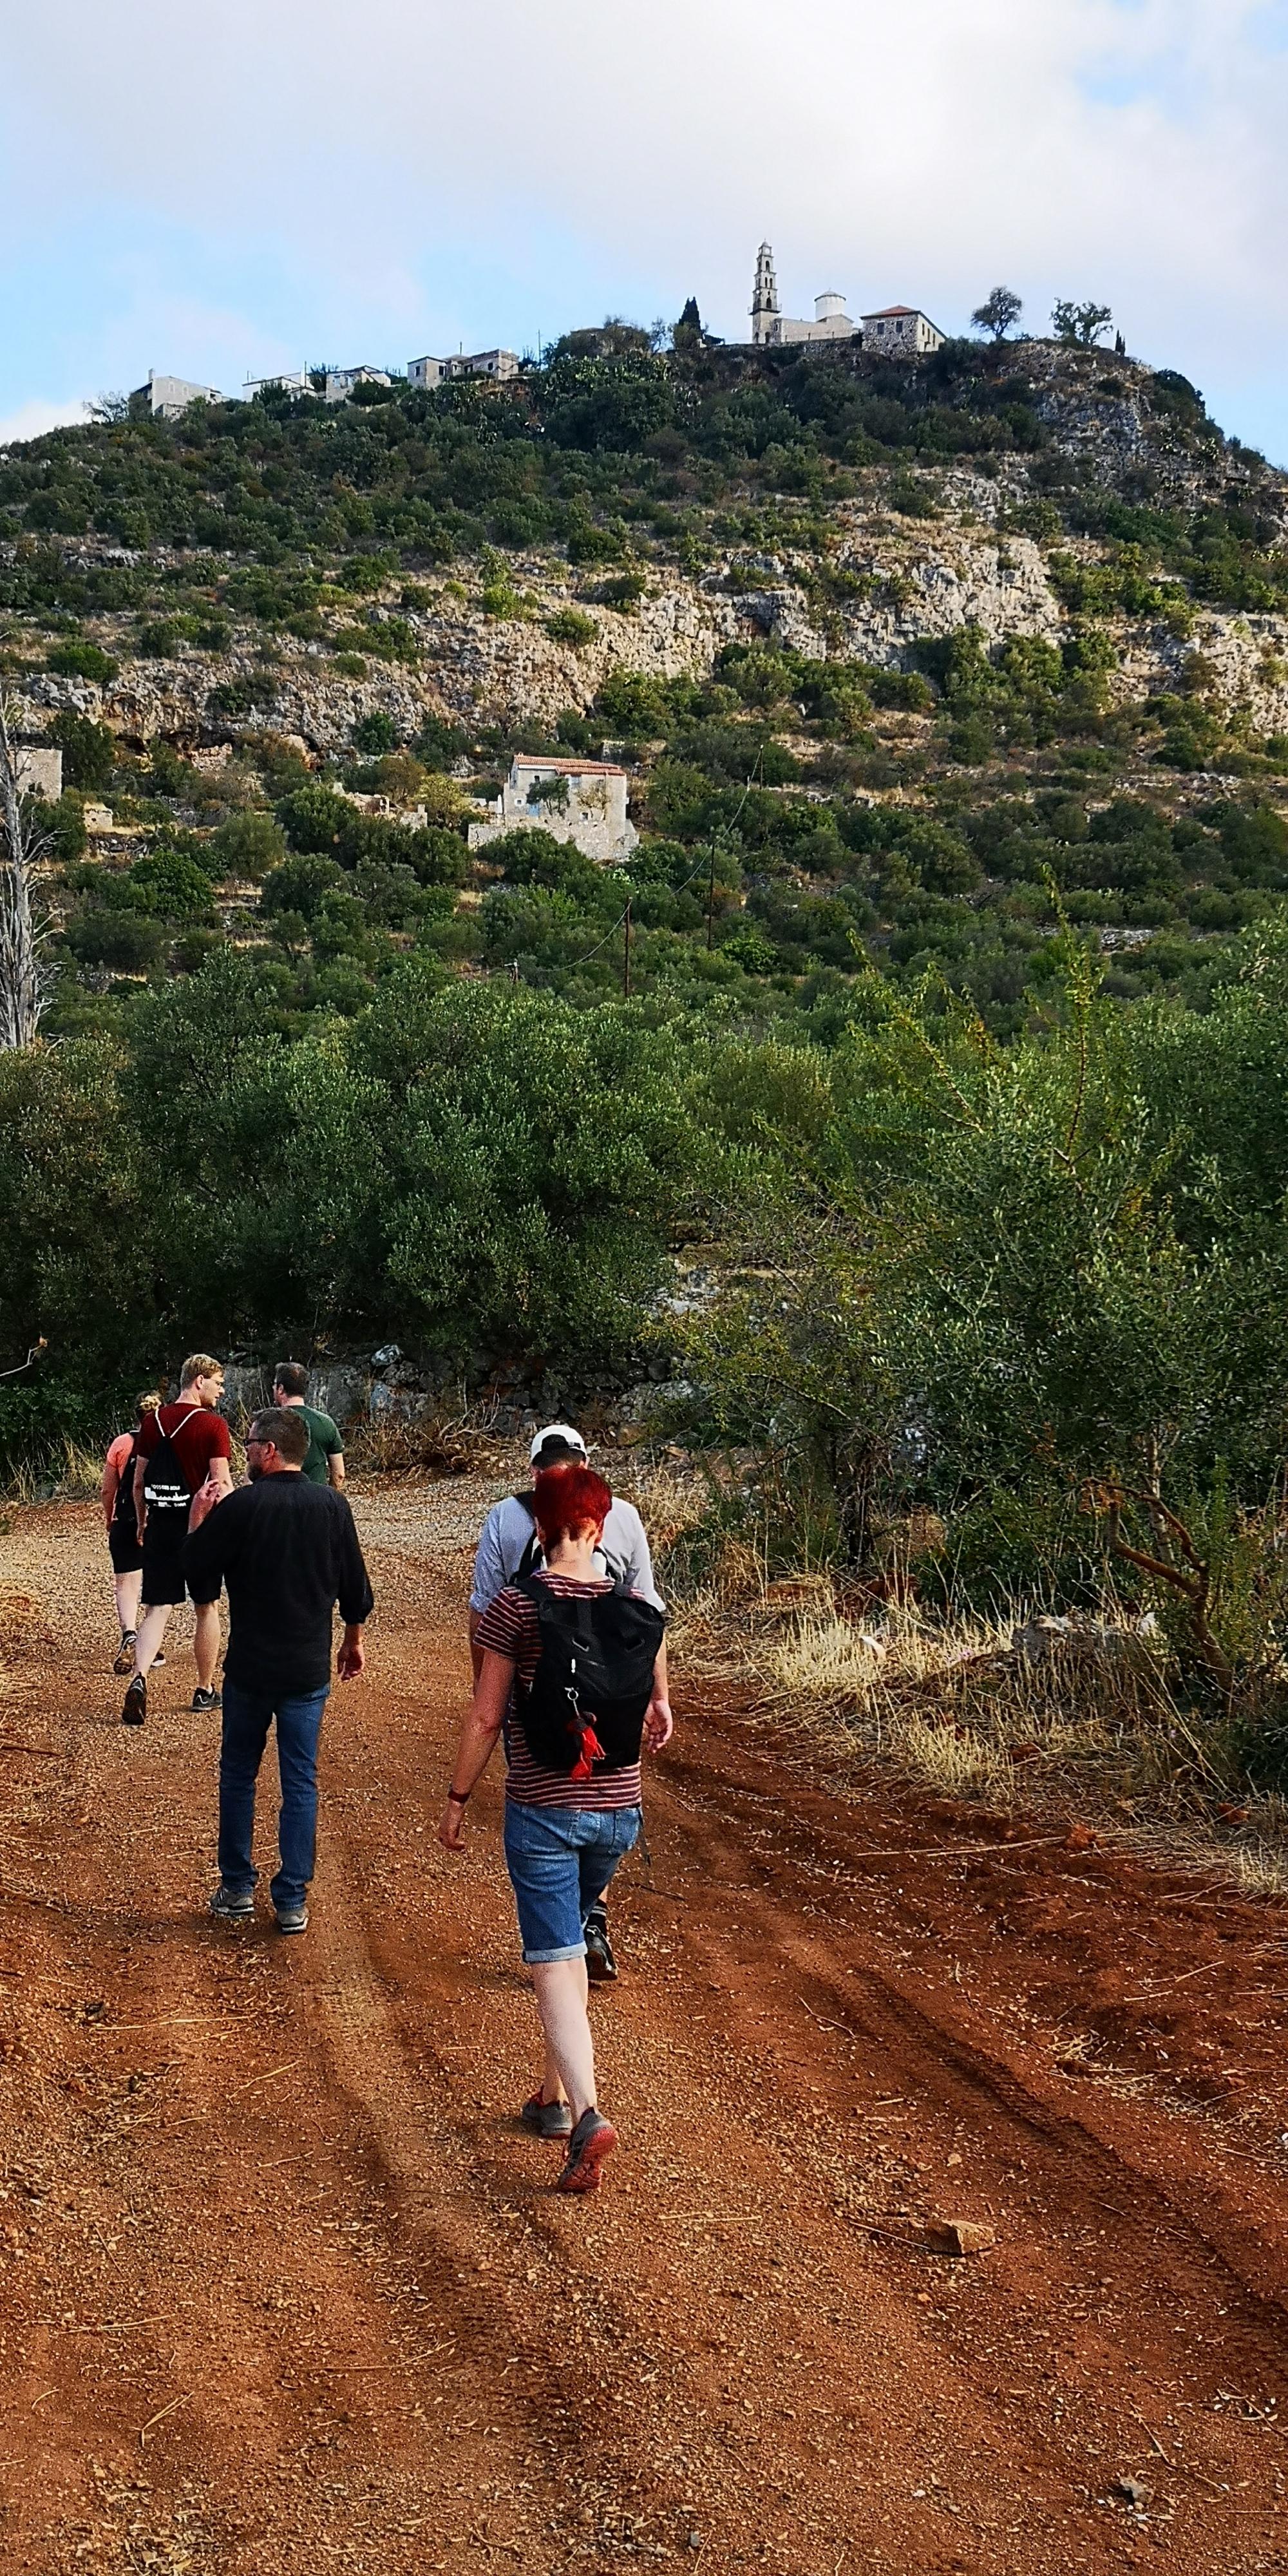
[[162, 1562], [123, 1548]]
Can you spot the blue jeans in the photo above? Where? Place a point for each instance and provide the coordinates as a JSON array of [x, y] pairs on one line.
[[560, 1860], [247, 1719]]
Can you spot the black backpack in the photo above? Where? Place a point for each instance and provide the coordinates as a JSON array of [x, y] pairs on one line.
[[166, 1489], [594, 1678], [123, 1508]]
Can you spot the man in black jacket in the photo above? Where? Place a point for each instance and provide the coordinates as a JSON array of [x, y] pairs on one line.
[[287, 1551]]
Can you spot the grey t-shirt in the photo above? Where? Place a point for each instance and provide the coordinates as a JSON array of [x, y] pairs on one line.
[[509, 1530]]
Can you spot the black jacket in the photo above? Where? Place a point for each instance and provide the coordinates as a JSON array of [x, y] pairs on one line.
[[287, 1551]]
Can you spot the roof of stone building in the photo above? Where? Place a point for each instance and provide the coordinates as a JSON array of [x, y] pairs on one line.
[[575, 768], [886, 312]]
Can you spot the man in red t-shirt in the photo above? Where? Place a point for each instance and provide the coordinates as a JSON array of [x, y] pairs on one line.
[[195, 1435]]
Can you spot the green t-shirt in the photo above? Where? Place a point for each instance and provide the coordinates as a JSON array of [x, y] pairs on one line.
[[324, 1442]]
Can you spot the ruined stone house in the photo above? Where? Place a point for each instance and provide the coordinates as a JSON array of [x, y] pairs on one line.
[[582, 801]]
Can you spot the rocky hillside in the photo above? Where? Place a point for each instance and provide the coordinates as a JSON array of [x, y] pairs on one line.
[[906, 643]]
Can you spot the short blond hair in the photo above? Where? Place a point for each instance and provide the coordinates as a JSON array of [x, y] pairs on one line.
[[200, 1364]]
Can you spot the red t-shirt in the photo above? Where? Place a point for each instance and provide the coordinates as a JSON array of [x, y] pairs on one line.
[[198, 1436]]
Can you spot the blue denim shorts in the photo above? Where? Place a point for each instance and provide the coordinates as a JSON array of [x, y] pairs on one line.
[[560, 1859]]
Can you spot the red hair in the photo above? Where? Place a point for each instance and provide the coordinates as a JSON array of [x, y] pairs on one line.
[[567, 1499]]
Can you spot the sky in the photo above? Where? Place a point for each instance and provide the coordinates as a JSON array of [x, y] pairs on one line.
[[223, 194]]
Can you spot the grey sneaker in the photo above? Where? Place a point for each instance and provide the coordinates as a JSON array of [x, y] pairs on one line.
[[136, 1702], [292, 1918], [546, 2119], [204, 1700], [232, 1904]]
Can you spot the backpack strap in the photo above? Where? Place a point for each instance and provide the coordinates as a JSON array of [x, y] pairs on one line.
[[527, 1502]]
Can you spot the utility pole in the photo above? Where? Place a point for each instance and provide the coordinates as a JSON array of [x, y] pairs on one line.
[[711, 896], [626, 954]]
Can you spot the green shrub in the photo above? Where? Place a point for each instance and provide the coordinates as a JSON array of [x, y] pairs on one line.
[[88, 749], [571, 626], [246, 845], [83, 660], [168, 882], [375, 733]]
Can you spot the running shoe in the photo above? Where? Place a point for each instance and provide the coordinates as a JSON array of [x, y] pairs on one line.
[[546, 2119], [123, 1659], [136, 1702], [204, 1700], [593, 2139], [601, 1966], [292, 1918], [232, 1904]]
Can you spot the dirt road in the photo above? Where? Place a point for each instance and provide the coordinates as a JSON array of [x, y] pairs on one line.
[[286, 2289]]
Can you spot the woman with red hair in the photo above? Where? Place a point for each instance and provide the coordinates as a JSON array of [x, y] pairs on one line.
[[570, 1677]]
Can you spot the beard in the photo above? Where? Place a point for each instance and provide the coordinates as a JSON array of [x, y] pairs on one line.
[[254, 1472]]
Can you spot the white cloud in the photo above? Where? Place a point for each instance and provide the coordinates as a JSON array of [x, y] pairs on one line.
[[418, 166], [31, 418]]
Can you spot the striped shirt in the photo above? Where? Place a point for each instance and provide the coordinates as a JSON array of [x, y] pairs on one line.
[[510, 1627]]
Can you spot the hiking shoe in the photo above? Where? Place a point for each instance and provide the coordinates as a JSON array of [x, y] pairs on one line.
[[136, 1702], [204, 1700], [292, 1918], [123, 1659], [232, 1904], [592, 2140], [601, 1966], [546, 2119]]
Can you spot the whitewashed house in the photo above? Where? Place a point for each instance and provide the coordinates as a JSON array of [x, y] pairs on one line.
[[582, 801], [340, 381]]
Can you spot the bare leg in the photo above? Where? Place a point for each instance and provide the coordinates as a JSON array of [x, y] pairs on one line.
[[570, 2057], [128, 1588], [205, 1643], [152, 1628]]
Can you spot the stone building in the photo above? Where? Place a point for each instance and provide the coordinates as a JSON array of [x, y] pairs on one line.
[[168, 397], [582, 801], [773, 329], [899, 331], [40, 770], [499, 364]]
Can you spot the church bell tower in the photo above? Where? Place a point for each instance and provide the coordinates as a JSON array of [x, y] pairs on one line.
[[764, 300]]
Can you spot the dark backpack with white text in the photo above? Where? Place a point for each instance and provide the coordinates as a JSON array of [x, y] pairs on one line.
[[584, 1713], [166, 1489]]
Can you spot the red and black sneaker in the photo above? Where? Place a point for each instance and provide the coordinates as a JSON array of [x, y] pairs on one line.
[[593, 2139]]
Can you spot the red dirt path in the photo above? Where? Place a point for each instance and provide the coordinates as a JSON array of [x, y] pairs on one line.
[[286, 2289]]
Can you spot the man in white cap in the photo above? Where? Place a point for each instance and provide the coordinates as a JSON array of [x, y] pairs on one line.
[[510, 1546]]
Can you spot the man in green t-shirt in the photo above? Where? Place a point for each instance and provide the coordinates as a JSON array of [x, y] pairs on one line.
[[324, 1463]]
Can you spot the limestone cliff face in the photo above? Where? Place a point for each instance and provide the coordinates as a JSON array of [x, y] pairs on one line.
[[884, 583]]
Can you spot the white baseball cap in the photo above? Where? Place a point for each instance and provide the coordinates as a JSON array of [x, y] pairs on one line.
[[556, 1431]]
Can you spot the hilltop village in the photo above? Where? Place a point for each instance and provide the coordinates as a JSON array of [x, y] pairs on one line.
[[896, 331]]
